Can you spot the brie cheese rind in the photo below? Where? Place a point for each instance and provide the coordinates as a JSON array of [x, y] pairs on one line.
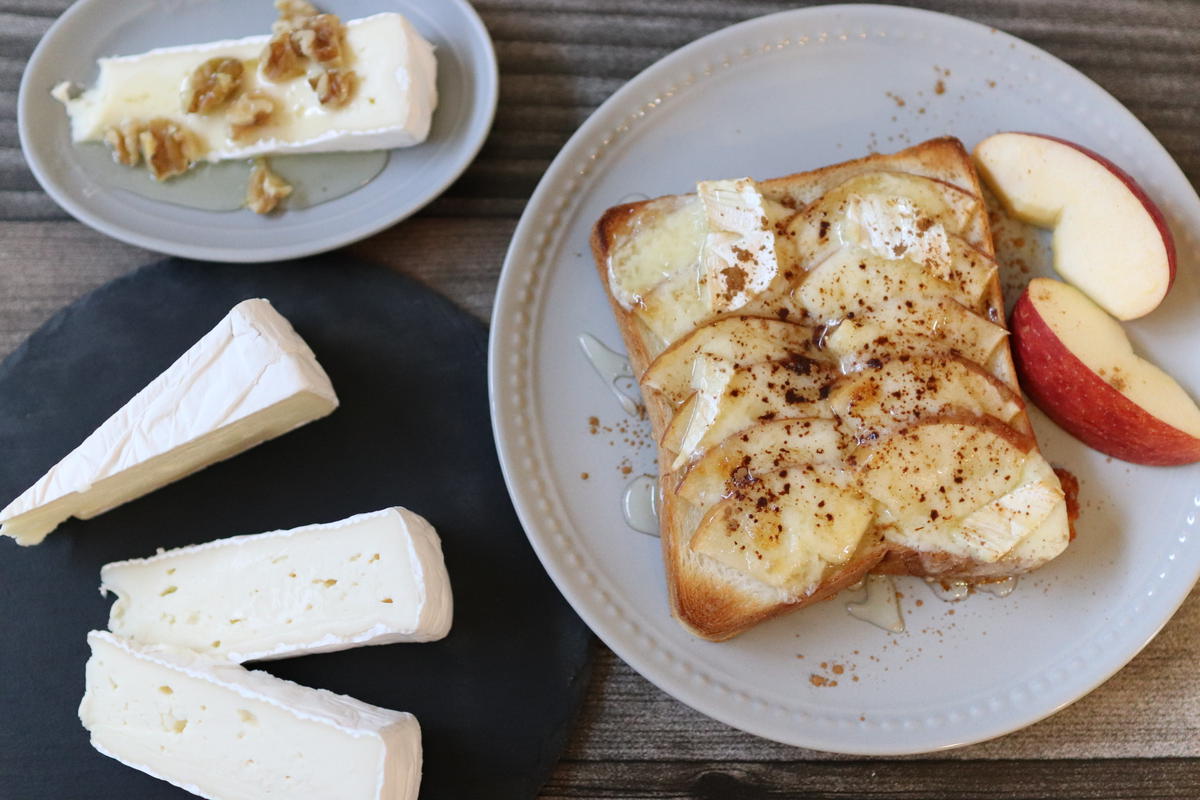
[[864, 316], [392, 105], [220, 731], [249, 379], [376, 578]]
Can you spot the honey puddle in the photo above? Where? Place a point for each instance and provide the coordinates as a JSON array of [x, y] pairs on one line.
[[878, 604], [639, 504], [613, 368], [315, 178]]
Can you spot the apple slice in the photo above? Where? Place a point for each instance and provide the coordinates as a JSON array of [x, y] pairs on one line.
[[873, 402], [974, 489], [852, 283], [727, 401], [786, 528], [760, 449], [1076, 363], [737, 340], [915, 325], [1110, 239], [882, 210], [941, 470]]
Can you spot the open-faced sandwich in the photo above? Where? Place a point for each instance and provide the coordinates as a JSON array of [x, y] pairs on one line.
[[825, 363]]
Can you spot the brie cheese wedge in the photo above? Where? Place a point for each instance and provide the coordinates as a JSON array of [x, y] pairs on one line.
[[739, 258], [392, 105], [374, 578], [222, 732], [249, 379]]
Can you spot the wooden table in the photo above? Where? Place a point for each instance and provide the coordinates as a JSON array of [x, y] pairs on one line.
[[1136, 736]]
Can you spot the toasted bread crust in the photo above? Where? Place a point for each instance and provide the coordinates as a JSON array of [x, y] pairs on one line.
[[711, 600]]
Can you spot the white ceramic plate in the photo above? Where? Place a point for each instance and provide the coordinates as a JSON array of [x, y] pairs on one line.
[[771, 96], [467, 92]]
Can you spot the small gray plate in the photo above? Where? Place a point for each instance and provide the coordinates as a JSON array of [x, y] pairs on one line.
[[90, 29]]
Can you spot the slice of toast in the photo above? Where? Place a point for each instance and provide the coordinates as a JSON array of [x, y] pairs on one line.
[[716, 589]]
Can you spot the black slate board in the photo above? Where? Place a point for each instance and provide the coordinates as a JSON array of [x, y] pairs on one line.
[[495, 699]]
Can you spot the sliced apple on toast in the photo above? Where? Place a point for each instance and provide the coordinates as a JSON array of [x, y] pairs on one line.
[[787, 528], [906, 389], [967, 488], [920, 326], [813, 358], [757, 450], [735, 341], [728, 400]]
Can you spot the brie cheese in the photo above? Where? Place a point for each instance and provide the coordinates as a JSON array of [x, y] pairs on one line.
[[222, 732], [374, 578], [249, 379], [392, 105], [739, 258], [656, 253]]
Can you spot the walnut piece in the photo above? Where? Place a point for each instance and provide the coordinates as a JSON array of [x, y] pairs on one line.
[[212, 85], [280, 59], [334, 87], [168, 148], [123, 139], [290, 14], [250, 113], [320, 39], [265, 189]]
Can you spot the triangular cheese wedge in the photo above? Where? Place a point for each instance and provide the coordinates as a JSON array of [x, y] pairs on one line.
[[249, 379]]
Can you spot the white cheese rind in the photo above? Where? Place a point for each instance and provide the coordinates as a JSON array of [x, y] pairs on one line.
[[392, 106], [376, 578], [739, 258], [222, 732], [249, 379]]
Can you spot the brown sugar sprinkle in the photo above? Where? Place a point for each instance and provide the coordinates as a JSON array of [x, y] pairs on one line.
[[939, 87], [818, 680], [838, 669], [584, 476], [897, 99]]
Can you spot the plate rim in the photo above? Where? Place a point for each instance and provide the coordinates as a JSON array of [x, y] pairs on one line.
[[512, 303], [488, 101]]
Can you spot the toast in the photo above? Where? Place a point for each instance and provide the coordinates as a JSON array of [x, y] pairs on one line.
[[800, 343]]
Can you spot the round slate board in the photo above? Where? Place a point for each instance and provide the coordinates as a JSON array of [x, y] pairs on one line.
[[495, 698]]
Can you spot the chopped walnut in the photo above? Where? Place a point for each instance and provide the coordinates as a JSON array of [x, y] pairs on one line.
[[280, 59], [334, 87], [265, 189], [123, 139], [250, 113], [168, 148], [212, 85], [320, 38], [291, 12]]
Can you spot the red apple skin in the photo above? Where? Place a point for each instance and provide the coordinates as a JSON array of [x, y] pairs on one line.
[[1084, 404], [1151, 207]]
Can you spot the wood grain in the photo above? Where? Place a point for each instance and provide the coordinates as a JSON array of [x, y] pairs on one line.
[[1136, 736], [1071, 779]]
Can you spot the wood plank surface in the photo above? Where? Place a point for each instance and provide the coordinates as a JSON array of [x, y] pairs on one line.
[[1136, 736]]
